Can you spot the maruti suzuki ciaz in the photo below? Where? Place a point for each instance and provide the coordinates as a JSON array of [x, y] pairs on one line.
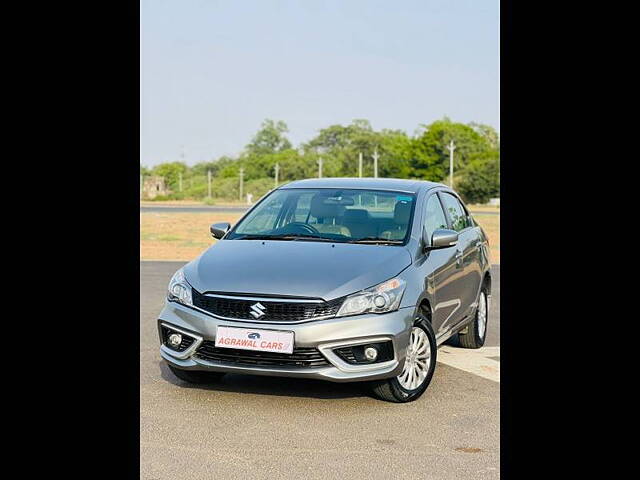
[[345, 280]]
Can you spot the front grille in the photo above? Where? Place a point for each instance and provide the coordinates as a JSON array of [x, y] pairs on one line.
[[274, 310], [184, 344], [300, 358]]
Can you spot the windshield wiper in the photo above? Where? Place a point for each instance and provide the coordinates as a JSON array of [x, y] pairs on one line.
[[286, 236], [376, 240]]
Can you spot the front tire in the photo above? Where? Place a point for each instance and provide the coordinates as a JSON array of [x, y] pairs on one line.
[[477, 330], [419, 366], [195, 376]]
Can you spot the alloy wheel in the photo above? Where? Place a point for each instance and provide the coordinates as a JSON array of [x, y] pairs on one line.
[[418, 360], [482, 315]]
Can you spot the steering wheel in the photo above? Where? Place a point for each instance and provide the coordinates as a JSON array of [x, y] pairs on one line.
[[302, 226]]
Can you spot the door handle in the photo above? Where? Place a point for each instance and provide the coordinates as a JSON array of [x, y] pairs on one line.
[[459, 259]]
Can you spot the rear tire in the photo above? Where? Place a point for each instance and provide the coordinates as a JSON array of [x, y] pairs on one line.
[[392, 389], [477, 330], [195, 376]]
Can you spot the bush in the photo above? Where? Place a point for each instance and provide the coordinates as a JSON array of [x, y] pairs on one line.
[[176, 196], [197, 191], [225, 188], [160, 198]]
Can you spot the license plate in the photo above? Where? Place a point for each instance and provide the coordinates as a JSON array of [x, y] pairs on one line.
[[254, 339]]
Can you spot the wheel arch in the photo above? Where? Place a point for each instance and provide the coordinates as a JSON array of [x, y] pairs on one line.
[[425, 308], [486, 281]]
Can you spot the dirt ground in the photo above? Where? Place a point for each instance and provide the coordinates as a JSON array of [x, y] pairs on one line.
[[190, 203], [184, 236], [484, 208]]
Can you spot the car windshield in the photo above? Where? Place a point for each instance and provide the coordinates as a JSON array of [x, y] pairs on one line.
[[336, 215]]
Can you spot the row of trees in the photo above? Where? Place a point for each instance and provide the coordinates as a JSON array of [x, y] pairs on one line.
[[421, 156]]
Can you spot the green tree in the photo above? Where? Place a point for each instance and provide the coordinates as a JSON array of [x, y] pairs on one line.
[[430, 157], [294, 165], [269, 139], [171, 173], [340, 147], [480, 181], [215, 166], [489, 133], [395, 154], [423, 156]]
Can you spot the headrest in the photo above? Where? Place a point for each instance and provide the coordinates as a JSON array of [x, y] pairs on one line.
[[356, 216], [402, 212], [320, 209]]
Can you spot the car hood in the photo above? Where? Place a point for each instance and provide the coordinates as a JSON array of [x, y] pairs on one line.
[[296, 268]]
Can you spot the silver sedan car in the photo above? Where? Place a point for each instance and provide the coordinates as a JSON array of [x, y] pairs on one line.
[[345, 280]]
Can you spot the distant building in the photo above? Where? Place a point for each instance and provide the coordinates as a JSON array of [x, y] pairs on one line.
[[153, 186], [494, 201]]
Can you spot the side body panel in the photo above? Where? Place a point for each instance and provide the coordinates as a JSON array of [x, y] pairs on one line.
[[449, 285], [435, 276]]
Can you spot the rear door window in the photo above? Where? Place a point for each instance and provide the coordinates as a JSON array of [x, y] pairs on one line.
[[456, 212]]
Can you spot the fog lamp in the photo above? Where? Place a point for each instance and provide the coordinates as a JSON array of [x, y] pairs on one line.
[[175, 339], [370, 353]]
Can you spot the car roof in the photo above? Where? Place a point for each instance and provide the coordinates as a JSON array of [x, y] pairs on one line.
[[394, 184]]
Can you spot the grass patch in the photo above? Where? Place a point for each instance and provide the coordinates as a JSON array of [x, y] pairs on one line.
[[168, 238]]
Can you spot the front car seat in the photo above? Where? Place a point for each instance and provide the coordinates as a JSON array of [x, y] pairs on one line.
[[359, 222], [326, 215], [401, 216]]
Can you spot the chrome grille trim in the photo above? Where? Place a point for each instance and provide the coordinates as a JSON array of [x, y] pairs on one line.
[[278, 309]]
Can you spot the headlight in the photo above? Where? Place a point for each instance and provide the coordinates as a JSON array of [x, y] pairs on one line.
[[379, 299], [179, 289]]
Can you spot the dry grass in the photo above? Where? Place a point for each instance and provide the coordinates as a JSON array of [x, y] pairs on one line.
[[484, 208], [491, 225], [178, 236], [184, 236], [190, 203]]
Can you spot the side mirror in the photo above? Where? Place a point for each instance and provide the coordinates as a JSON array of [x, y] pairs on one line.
[[441, 238], [219, 230]]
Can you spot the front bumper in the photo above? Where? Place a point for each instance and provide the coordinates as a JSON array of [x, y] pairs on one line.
[[325, 335]]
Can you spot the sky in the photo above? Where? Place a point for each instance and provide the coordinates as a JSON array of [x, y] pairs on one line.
[[212, 71]]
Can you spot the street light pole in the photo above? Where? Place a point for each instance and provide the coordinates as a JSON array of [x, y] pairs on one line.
[[319, 167], [241, 181], [181, 161], [451, 147], [375, 163], [360, 165], [276, 179]]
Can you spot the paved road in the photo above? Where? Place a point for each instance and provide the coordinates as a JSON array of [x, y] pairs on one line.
[[262, 427], [222, 209]]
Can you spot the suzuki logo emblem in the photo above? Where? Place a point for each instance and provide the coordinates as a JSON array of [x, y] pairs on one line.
[[257, 310]]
